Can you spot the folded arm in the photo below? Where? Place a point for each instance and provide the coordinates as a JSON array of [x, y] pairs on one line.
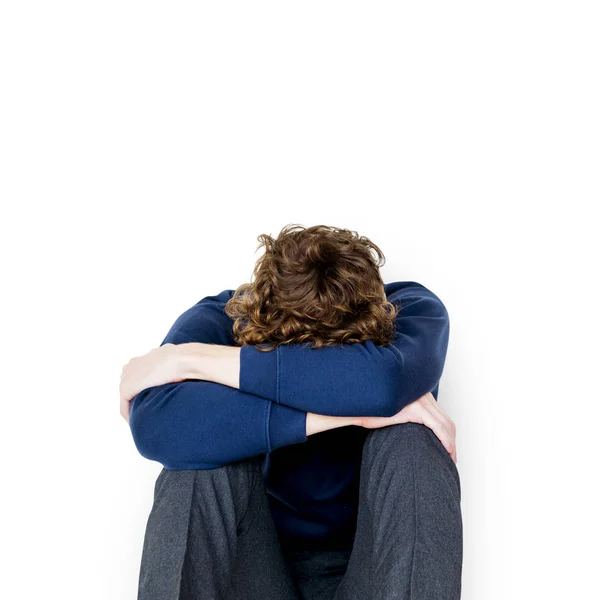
[[263, 402], [204, 425], [363, 379]]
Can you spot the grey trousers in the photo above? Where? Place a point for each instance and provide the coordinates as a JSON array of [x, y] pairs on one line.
[[210, 534]]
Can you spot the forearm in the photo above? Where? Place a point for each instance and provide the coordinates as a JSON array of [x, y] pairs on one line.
[[210, 362], [200, 425], [317, 423], [221, 364]]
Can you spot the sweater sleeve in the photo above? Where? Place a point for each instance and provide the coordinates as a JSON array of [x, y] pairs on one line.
[[203, 425], [360, 379]]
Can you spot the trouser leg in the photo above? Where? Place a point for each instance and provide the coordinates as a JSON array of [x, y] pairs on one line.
[[210, 535], [408, 543]]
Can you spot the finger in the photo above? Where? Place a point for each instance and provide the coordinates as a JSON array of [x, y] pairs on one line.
[[449, 423], [453, 455], [125, 406], [438, 426], [440, 432], [125, 393], [436, 411]]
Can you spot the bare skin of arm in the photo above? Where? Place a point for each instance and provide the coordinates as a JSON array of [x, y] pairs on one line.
[[317, 423]]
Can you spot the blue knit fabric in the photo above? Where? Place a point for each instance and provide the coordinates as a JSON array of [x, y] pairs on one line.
[[312, 481]]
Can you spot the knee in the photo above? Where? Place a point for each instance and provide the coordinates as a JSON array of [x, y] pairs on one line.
[[394, 440], [405, 445], [408, 456], [221, 484]]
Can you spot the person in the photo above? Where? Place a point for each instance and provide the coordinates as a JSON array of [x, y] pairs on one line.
[[304, 453]]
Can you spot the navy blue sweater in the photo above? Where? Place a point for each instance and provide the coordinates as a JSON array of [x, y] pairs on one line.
[[312, 482]]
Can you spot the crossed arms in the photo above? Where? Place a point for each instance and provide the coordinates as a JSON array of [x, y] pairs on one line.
[[196, 424]]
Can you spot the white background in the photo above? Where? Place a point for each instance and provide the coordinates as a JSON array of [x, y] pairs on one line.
[[145, 146]]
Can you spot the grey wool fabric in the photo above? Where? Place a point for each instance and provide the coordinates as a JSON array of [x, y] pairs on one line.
[[210, 534]]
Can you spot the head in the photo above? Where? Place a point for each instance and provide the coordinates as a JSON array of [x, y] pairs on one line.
[[319, 285]]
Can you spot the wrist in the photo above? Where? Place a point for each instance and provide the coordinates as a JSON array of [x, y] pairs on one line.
[[210, 362], [316, 423], [189, 361]]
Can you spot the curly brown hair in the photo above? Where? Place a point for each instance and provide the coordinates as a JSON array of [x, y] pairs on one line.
[[319, 285]]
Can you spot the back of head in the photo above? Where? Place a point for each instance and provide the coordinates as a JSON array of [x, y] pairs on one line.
[[319, 285]]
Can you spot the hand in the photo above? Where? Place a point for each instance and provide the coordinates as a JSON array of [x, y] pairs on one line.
[[426, 411], [160, 365]]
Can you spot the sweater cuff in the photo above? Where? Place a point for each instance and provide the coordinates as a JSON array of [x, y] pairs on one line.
[[258, 372], [287, 426]]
